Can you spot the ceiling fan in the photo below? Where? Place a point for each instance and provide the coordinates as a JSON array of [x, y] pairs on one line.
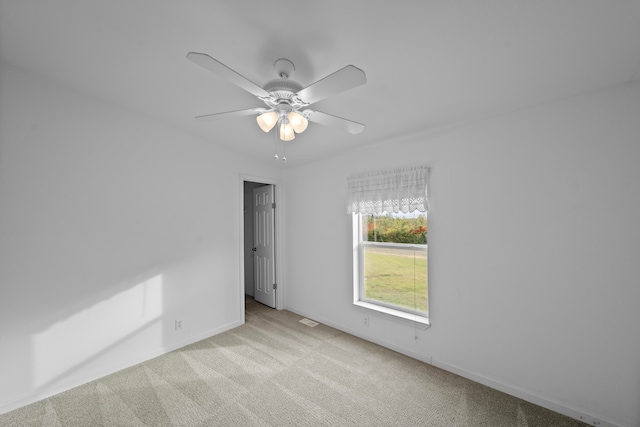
[[287, 101]]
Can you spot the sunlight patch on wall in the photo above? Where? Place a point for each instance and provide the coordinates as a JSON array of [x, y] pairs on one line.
[[83, 337]]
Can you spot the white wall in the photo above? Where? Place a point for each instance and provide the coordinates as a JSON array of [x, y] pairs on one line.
[[534, 243], [112, 226]]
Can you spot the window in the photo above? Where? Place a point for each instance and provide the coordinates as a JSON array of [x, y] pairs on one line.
[[390, 242]]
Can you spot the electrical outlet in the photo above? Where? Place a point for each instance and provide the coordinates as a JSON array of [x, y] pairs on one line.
[[178, 325], [366, 320]]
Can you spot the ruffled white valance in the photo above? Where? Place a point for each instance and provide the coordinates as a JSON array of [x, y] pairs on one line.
[[396, 190]]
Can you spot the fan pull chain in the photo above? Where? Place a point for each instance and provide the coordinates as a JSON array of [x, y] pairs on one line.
[[275, 147], [284, 147]]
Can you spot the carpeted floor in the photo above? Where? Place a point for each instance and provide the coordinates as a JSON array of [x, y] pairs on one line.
[[276, 371]]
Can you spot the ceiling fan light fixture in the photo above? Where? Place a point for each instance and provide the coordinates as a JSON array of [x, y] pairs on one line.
[[267, 120], [286, 131], [298, 121]]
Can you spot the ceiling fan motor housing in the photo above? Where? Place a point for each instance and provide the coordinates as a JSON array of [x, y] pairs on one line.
[[284, 87], [283, 91]]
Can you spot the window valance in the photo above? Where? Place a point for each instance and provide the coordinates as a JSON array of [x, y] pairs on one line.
[[396, 190]]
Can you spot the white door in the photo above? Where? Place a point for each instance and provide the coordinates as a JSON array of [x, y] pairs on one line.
[[264, 259]]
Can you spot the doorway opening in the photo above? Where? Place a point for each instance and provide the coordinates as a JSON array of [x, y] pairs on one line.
[[259, 242]]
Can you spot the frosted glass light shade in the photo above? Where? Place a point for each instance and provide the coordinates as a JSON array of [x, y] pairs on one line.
[[298, 122], [286, 132], [267, 121]]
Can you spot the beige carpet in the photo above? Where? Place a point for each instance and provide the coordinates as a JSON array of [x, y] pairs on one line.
[[275, 371]]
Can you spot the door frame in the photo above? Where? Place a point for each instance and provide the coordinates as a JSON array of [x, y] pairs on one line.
[[278, 238]]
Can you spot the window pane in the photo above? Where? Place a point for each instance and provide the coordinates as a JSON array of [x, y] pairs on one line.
[[396, 276], [395, 228]]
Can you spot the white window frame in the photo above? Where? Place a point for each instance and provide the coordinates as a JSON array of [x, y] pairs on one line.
[[414, 318]]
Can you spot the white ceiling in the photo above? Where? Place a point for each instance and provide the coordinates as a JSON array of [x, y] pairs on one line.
[[429, 63]]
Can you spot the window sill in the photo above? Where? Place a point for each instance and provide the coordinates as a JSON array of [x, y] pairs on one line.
[[397, 315]]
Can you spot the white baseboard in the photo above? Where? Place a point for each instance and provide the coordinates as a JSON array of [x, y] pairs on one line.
[[49, 391], [535, 398], [375, 340]]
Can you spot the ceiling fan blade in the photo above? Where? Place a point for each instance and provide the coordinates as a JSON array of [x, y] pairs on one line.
[[231, 114], [222, 70], [334, 121], [343, 79]]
